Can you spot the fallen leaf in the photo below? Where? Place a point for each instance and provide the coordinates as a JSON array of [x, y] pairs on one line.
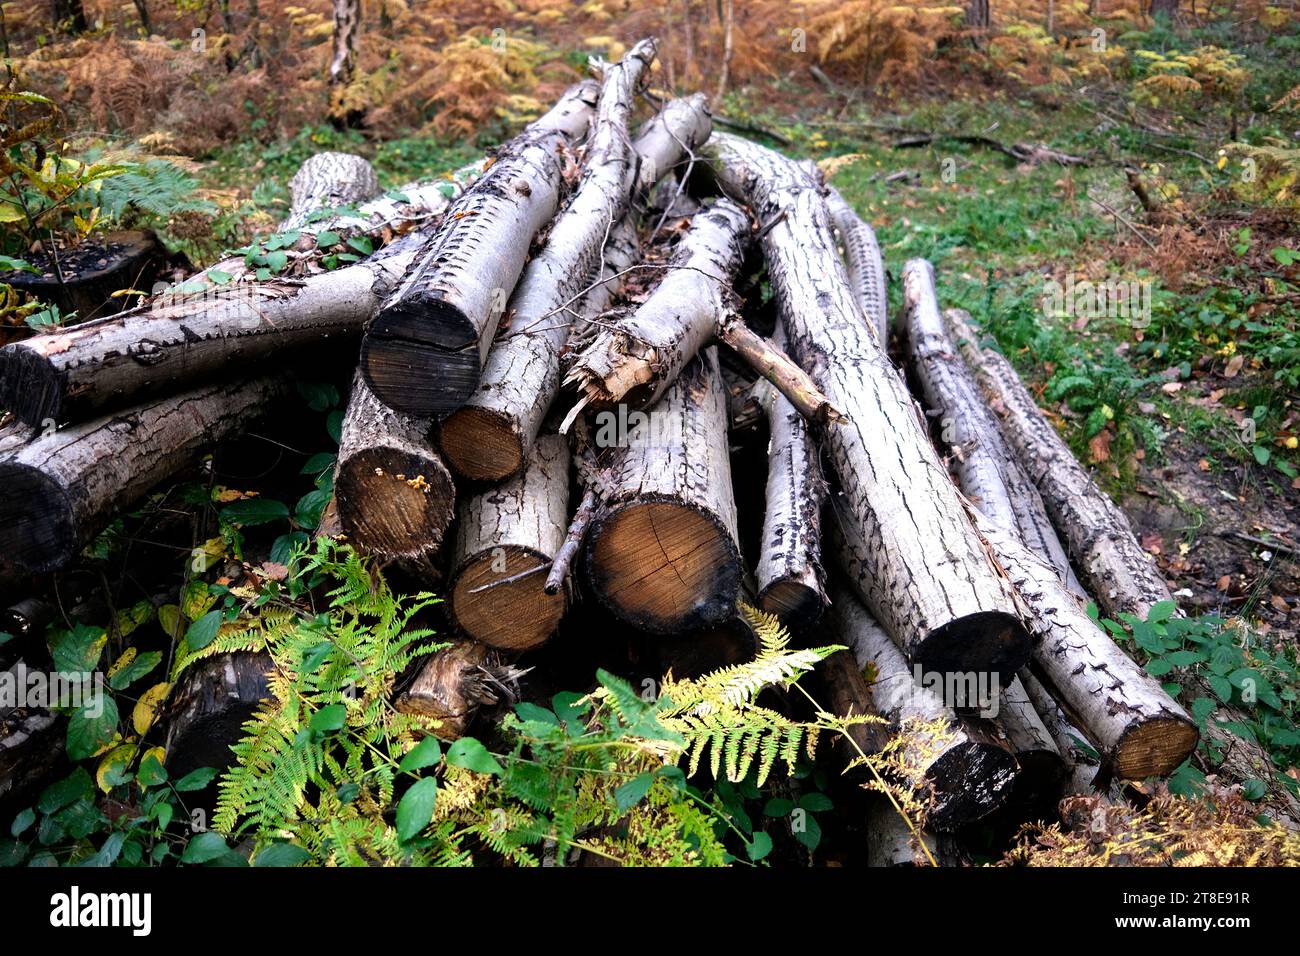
[[1170, 388], [1279, 602], [1224, 583], [1153, 543], [1233, 368], [1099, 446], [1203, 464]]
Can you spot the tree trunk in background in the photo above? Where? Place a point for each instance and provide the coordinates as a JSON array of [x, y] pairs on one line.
[[142, 10], [425, 351], [978, 15], [1167, 7], [347, 31], [69, 16]]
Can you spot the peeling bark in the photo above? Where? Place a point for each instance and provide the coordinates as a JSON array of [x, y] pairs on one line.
[[394, 495], [634, 355], [506, 539], [969, 777], [663, 553], [424, 352], [456, 682], [61, 489], [918, 563]]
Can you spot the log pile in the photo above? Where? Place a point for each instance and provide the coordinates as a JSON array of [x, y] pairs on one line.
[[551, 348]]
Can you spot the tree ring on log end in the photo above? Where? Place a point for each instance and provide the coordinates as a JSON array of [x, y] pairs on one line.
[[795, 603], [990, 642], [515, 614], [422, 358], [37, 526], [407, 501], [481, 444], [1154, 748], [663, 566], [970, 781], [29, 385]]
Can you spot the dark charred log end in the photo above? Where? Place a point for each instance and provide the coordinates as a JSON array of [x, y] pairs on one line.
[[970, 781], [704, 651], [513, 615], [210, 707], [1040, 782], [30, 387], [38, 531], [797, 604], [1154, 747], [987, 643], [482, 444], [664, 567], [394, 503], [422, 358]]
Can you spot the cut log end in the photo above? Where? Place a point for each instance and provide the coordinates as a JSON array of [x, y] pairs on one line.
[[1154, 748], [29, 385], [984, 643], [37, 526], [665, 567], [422, 358], [499, 600], [970, 781], [408, 501], [797, 604], [482, 444]]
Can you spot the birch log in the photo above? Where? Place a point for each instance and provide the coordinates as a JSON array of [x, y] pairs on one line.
[[663, 553], [1081, 764], [848, 695], [921, 568], [209, 707], [1139, 729], [327, 180], [969, 777], [1042, 772], [394, 495], [633, 356], [1117, 572], [506, 538], [424, 352], [863, 263], [987, 470], [61, 489], [889, 841], [791, 582], [1113, 566], [199, 328], [488, 437]]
